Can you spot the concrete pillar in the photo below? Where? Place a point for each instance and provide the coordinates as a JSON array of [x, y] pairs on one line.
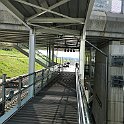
[[110, 108], [82, 57], [31, 61]]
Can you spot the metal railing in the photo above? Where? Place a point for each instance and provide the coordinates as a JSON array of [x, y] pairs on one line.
[[15, 92], [83, 108]]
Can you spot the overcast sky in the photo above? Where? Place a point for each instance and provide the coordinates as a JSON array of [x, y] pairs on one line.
[[63, 54]]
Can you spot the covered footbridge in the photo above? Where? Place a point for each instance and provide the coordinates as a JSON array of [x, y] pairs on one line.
[[93, 93], [50, 95]]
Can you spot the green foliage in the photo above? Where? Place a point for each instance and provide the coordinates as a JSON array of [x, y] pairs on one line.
[[14, 63]]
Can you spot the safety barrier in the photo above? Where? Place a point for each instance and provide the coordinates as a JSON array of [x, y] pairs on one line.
[[83, 108], [16, 92]]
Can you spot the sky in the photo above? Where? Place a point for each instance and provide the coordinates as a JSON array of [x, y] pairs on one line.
[[68, 54], [63, 54]]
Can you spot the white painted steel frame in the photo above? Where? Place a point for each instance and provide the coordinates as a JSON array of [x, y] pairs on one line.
[[31, 61], [50, 11], [54, 20], [82, 57], [82, 43], [56, 30], [52, 55], [10, 8], [50, 8]]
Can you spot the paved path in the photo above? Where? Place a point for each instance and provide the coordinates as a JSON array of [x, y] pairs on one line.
[[56, 104]]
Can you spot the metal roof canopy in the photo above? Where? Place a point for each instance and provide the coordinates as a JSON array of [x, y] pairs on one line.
[[58, 22]]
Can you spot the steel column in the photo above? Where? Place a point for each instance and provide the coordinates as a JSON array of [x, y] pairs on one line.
[[2, 105], [90, 63], [49, 55], [53, 55], [31, 61], [56, 59], [47, 63], [19, 95], [82, 57]]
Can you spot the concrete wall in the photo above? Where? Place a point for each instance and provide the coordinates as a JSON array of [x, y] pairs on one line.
[[7, 21], [6, 17], [99, 96], [115, 94], [106, 24], [115, 98]]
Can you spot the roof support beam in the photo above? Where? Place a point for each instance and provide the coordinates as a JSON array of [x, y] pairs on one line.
[[90, 7], [55, 30], [55, 20], [59, 32], [50, 11], [13, 27], [14, 12], [50, 8], [83, 39]]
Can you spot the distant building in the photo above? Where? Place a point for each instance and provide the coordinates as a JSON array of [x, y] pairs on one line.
[[103, 5]]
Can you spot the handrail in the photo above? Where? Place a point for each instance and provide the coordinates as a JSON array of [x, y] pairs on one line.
[[21, 90], [83, 108]]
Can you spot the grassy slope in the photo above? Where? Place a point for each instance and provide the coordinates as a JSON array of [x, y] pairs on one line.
[[14, 63]]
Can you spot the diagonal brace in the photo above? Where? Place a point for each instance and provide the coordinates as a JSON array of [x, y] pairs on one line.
[[50, 8], [50, 11]]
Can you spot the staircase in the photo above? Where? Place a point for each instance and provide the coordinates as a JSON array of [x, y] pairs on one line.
[[39, 57]]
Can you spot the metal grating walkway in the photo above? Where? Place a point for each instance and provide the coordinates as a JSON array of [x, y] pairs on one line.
[[56, 104]]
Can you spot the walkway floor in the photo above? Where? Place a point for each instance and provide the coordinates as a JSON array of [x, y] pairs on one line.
[[56, 104]]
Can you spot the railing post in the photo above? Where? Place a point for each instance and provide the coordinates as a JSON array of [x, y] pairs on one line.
[[2, 105], [42, 78], [19, 90], [59, 68], [48, 74], [53, 55], [49, 55], [34, 75], [53, 74]]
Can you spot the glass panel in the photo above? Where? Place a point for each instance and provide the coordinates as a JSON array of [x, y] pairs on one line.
[[116, 6]]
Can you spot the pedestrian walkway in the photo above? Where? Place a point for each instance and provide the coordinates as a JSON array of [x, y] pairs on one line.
[[56, 104]]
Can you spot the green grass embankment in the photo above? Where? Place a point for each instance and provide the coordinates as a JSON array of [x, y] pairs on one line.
[[14, 63]]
